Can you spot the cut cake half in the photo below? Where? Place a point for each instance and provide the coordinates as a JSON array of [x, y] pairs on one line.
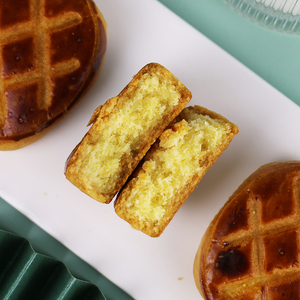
[[123, 130], [172, 168]]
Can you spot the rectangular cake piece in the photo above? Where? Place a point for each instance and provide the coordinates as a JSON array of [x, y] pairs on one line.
[[123, 130], [172, 168]]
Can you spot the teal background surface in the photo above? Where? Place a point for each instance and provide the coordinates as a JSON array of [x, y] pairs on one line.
[[272, 55]]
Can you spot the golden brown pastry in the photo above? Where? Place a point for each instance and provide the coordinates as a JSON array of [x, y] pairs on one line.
[[172, 168], [123, 130], [251, 248], [51, 53]]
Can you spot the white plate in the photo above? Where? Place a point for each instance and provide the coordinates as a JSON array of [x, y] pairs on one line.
[[32, 179]]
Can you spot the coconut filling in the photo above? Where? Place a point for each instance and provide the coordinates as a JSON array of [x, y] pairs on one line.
[[129, 124], [173, 164]]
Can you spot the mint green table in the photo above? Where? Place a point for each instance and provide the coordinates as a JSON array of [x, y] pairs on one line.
[[272, 55]]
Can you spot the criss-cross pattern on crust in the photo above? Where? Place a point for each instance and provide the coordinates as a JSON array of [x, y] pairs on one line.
[[272, 246], [37, 33]]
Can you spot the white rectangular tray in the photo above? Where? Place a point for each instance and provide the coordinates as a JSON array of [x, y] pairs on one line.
[[32, 179]]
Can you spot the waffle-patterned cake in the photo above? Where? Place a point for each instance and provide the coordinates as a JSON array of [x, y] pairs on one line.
[[50, 53], [251, 249], [172, 168]]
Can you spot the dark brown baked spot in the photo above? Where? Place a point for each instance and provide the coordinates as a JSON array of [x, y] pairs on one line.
[[233, 263]]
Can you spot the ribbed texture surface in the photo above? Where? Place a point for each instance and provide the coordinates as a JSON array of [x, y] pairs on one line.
[[281, 15], [25, 274]]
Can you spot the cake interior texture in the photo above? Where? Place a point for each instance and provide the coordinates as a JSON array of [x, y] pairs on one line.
[[182, 153], [123, 131]]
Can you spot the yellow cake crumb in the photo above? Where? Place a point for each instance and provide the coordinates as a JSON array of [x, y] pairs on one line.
[[182, 153], [123, 130]]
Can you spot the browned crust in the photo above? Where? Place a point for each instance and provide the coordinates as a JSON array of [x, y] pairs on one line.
[[185, 190], [101, 117], [201, 257], [100, 43]]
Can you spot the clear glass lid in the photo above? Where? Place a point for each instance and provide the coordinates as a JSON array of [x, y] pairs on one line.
[[282, 15]]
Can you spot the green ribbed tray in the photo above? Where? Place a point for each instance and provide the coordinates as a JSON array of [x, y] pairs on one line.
[[22, 267], [26, 274]]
